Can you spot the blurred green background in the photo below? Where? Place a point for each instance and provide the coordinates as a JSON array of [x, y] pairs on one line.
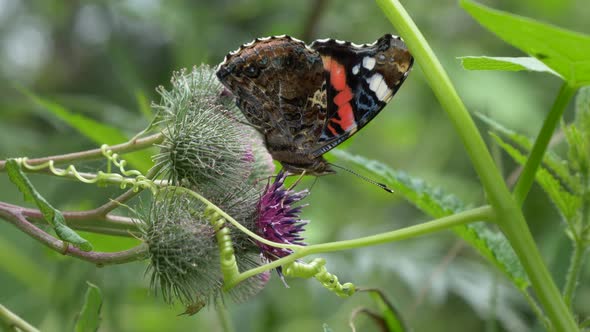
[[104, 59]]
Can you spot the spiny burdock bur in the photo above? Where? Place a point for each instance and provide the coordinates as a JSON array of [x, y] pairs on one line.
[[207, 144], [209, 148], [184, 254]]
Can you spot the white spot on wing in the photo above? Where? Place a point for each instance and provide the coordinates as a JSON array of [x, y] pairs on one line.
[[383, 92], [369, 62], [355, 69], [374, 81], [325, 40], [339, 42], [377, 84], [297, 40]]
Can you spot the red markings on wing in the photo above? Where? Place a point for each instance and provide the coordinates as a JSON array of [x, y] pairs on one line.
[[337, 76], [346, 121], [343, 97], [332, 129]]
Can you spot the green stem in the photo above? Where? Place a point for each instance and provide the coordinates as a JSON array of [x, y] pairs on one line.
[[483, 213], [508, 214], [537, 310], [11, 320], [527, 177], [573, 273], [129, 146], [231, 220], [224, 317]]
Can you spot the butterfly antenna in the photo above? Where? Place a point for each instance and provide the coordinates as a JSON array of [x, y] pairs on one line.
[[378, 184]]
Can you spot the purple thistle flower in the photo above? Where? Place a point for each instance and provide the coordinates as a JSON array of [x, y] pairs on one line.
[[278, 220]]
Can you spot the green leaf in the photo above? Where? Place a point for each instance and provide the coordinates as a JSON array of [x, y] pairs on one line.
[[434, 202], [579, 149], [22, 266], [566, 202], [89, 317], [52, 215], [566, 52], [552, 162], [389, 313], [578, 134], [97, 132], [505, 64]]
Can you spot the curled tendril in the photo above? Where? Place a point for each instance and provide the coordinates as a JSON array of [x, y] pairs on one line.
[[133, 178], [229, 265], [317, 269]]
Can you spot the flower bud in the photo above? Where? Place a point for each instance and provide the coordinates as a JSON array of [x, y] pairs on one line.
[[207, 144], [184, 260]]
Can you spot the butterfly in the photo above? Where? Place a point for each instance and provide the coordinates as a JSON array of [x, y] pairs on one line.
[[305, 100]]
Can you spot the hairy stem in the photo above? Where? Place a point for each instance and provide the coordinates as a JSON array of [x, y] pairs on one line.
[[132, 145], [224, 317], [573, 273], [509, 216], [484, 213], [527, 177], [14, 322], [89, 220], [18, 219]]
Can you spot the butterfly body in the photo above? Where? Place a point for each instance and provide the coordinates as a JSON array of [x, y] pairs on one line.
[[305, 100]]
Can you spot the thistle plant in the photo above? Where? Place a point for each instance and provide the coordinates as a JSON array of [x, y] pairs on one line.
[[205, 145], [184, 261]]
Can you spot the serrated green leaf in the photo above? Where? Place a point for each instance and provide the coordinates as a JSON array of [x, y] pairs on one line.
[[566, 52], [52, 215], [89, 317], [436, 203], [97, 132], [579, 149], [566, 202], [389, 313], [505, 64], [552, 162]]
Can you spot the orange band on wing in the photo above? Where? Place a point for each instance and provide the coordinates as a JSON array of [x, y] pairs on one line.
[[337, 76], [346, 115], [343, 97]]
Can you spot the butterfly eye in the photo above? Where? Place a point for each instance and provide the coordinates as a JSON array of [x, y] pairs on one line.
[[251, 71], [381, 58]]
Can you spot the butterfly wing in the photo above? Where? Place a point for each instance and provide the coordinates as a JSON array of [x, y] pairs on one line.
[[279, 86], [361, 80]]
